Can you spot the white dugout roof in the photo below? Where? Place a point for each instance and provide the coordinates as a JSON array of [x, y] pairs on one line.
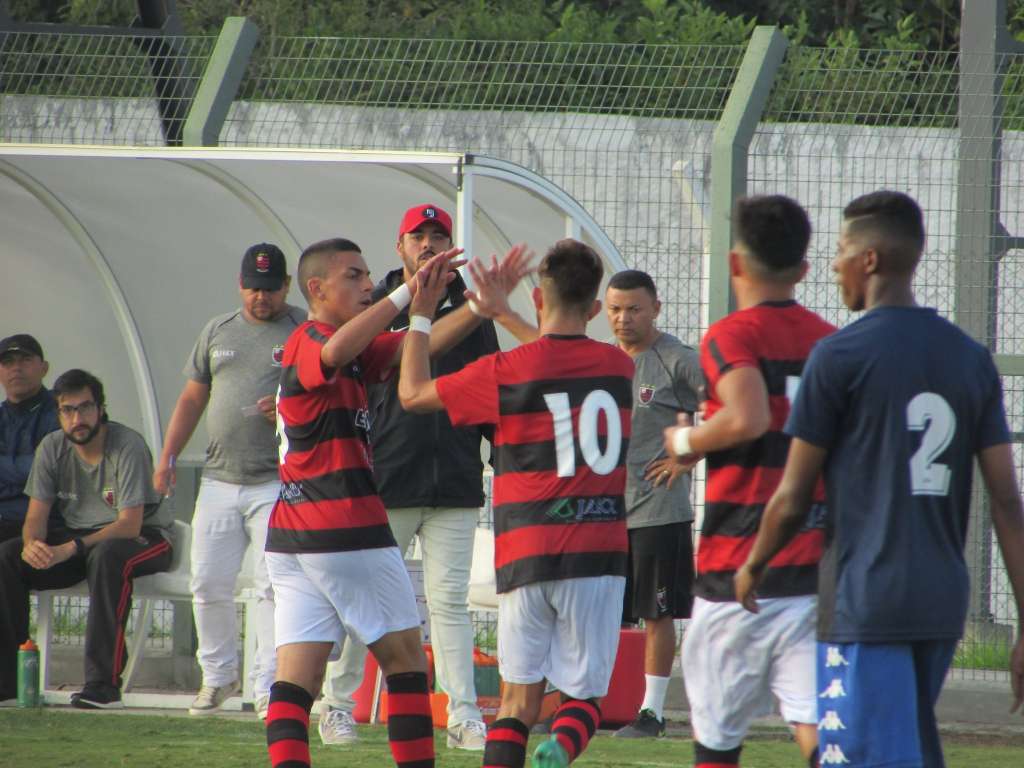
[[114, 258]]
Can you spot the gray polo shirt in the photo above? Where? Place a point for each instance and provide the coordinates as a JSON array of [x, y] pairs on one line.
[[667, 380], [241, 362], [89, 497]]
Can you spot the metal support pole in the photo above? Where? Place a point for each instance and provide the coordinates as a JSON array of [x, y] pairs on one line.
[[730, 145], [464, 205], [220, 82], [981, 239]]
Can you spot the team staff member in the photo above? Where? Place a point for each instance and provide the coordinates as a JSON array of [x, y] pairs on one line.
[[735, 661], [27, 415], [894, 409], [108, 526], [560, 534], [658, 512], [428, 474], [232, 374], [332, 558]]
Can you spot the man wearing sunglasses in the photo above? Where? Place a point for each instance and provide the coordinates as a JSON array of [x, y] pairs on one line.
[[107, 527]]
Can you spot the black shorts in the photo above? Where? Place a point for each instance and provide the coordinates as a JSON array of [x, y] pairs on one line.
[[659, 578]]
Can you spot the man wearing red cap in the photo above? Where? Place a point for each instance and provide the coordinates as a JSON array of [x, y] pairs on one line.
[[429, 477]]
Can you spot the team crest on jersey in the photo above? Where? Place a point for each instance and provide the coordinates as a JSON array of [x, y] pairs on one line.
[[646, 394], [108, 496], [277, 355], [262, 262]]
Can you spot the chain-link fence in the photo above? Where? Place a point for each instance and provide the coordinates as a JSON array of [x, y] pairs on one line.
[[60, 88], [627, 131]]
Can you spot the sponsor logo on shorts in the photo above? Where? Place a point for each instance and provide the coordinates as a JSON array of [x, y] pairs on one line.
[[646, 394], [662, 600], [591, 508], [277, 355], [291, 491], [108, 496], [831, 722], [834, 657], [835, 690], [833, 755]]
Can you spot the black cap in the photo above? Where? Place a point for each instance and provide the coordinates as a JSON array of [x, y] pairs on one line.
[[23, 343], [264, 268]]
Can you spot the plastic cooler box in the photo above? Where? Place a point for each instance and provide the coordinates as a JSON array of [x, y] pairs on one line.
[[620, 706]]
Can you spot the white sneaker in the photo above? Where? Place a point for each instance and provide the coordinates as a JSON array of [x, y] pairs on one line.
[[262, 705], [469, 734], [212, 697], [337, 727]]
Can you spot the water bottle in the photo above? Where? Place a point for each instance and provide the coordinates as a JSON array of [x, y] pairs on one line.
[[28, 674]]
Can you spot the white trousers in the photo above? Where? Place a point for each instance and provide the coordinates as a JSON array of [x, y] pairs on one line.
[[230, 520], [446, 540]]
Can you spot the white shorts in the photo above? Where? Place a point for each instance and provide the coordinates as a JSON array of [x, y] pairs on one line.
[[735, 662], [325, 596], [564, 631]]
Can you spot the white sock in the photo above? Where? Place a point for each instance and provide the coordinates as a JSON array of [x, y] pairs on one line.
[[654, 695]]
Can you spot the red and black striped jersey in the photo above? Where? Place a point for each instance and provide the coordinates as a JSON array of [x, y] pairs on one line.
[[776, 338], [328, 500], [561, 409]]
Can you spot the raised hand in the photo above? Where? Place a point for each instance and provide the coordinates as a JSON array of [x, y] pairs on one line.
[[494, 282], [431, 283]]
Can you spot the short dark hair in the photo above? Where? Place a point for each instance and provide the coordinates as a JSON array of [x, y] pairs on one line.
[[631, 279], [75, 380], [774, 229], [572, 272], [894, 222], [314, 260]]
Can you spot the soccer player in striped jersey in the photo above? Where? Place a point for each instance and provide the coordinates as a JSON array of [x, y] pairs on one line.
[[894, 409], [734, 661], [332, 558], [561, 410]]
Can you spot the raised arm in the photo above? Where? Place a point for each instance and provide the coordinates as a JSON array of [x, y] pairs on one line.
[[745, 415], [416, 390], [996, 464]]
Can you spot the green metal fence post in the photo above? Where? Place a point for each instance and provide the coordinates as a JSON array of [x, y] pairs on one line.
[[730, 144], [220, 82]]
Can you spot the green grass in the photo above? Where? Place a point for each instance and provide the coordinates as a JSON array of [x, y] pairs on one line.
[[60, 738], [982, 655]]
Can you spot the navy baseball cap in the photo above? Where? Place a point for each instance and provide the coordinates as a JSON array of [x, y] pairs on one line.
[[23, 343], [264, 268]]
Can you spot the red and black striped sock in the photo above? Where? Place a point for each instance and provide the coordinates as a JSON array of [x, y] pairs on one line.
[[288, 725], [410, 724], [574, 725], [506, 744], [705, 757]]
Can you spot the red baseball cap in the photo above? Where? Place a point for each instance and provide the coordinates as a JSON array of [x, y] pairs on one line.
[[417, 215]]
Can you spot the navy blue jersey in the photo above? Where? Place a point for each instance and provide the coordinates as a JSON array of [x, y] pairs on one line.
[[902, 400]]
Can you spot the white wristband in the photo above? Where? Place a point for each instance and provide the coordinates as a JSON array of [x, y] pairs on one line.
[[420, 323], [400, 297], [681, 441], [474, 308]]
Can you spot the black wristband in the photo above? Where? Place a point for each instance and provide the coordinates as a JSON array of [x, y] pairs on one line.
[[79, 546]]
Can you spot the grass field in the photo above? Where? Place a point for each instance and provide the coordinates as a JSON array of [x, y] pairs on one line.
[[59, 738]]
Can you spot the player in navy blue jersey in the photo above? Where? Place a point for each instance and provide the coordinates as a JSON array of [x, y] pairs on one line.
[[893, 409]]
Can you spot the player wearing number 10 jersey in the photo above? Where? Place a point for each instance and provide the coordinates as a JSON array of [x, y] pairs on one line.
[[893, 408], [561, 408]]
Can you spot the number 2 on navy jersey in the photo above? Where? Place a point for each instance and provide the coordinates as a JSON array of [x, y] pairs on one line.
[[594, 404], [930, 412]]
